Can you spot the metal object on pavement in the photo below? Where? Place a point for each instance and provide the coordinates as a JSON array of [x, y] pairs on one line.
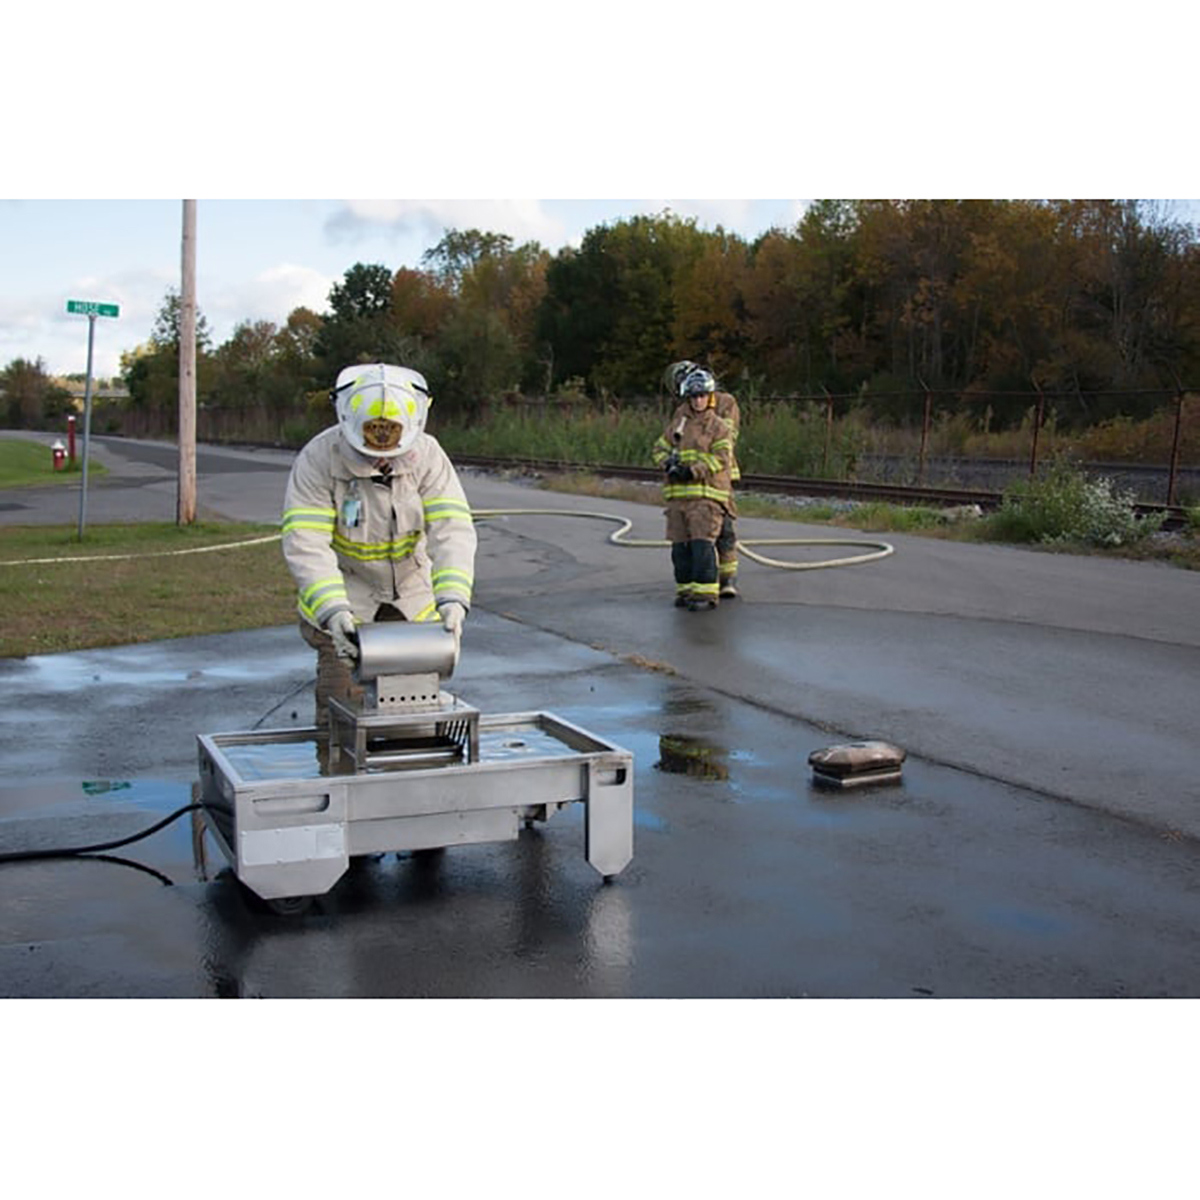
[[409, 768], [855, 764]]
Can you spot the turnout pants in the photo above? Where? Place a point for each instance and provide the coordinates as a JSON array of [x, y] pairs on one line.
[[692, 529], [727, 559]]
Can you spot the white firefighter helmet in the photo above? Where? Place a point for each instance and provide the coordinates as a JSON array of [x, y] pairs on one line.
[[673, 376], [381, 408], [697, 382]]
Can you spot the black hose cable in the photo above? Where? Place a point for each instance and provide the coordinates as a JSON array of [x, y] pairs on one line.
[[165, 880], [280, 703], [71, 852]]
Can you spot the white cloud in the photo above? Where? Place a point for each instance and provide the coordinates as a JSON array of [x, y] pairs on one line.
[[748, 218], [419, 224], [522, 220], [270, 296], [38, 326]]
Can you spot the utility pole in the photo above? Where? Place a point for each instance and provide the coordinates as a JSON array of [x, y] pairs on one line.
[[187, 370]]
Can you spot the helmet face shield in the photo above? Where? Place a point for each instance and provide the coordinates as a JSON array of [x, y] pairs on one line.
[[381, 409], [697, 382]]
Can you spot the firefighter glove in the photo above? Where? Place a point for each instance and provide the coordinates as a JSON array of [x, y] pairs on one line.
[[342, 629], [453, 614]]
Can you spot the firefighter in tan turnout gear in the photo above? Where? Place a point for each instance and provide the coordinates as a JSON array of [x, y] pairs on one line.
[[726, 407], [376, 526], [696, 452]]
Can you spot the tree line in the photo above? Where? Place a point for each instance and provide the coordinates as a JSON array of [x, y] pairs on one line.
[[863, 298]]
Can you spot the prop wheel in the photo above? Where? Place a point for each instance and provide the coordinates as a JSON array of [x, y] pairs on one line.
[[289, 906]]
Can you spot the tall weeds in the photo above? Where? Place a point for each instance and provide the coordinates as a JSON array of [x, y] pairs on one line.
[[775, 438]]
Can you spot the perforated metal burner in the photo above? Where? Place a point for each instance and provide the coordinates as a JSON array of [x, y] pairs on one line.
[[404, 719], [393, 737]]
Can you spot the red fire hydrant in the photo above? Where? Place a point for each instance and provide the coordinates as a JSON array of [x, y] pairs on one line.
[[60, 454]]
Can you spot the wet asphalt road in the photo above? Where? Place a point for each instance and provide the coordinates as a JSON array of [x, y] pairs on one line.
[[1043, 841]]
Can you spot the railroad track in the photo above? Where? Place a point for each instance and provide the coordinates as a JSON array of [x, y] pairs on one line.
[[787, 485]]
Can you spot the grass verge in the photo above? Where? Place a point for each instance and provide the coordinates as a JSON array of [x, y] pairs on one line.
[[27, 463], [83, 598]]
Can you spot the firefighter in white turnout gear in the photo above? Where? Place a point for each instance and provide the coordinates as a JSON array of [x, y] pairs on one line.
[[376, 526]]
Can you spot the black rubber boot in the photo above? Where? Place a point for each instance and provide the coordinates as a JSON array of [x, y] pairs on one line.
[[681, 561]]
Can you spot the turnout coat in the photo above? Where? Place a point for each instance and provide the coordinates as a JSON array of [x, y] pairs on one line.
[[726, 407], [705, 443], [355, 538]]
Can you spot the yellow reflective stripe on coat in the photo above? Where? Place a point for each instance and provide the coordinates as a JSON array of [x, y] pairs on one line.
[[446, 508], [710, 461], [451, 579], [319, 595], [376, 551], [321, 519], [695, 491], [428, 613]]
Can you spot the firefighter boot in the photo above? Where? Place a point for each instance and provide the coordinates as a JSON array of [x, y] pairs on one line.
[[727, 558], [704, 573], [681, 562]]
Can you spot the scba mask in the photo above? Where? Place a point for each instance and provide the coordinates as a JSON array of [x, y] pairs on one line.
[[381, 409]]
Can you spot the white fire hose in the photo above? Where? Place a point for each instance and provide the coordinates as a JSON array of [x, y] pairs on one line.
[[875, 550]]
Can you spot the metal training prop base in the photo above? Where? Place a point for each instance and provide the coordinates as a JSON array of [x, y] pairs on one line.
[[289, 828]]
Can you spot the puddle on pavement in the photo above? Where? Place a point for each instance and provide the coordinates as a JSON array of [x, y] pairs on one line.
[[80, 672], [37, 798], [682, 754]]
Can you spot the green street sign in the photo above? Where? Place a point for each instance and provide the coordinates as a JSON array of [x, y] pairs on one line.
[[92, 308]]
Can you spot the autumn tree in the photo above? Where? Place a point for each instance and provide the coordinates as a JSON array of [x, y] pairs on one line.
[[421, 303], [806, 320], [359, 327], [709, 323], [486, 343], [609, 309]]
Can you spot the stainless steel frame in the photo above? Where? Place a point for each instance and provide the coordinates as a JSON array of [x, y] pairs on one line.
[[294, 836]]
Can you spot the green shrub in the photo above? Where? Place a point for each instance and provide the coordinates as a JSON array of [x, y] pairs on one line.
[[1065, 505]]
